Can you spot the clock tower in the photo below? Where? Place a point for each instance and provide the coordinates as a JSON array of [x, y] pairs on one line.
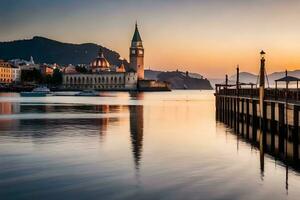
[[136, 54]]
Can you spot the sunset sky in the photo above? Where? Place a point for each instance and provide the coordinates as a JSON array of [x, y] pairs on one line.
[[206, 36]]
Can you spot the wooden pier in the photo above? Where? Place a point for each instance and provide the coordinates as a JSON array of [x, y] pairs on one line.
[[269, 117]]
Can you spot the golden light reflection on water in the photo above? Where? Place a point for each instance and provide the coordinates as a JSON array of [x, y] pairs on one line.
[[166, 144]]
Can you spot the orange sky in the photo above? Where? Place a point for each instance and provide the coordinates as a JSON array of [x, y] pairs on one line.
[[206, 36]]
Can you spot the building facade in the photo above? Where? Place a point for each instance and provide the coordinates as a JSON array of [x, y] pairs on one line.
[[16, 74], [102, 76], [101, 81], [5, 72]]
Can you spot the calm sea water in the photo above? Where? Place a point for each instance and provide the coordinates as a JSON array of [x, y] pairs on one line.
[[131, 146]]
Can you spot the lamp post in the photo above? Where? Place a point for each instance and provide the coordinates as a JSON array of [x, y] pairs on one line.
[[226, 83], [262, 80], [262, 69], [237, 79], [261, 103]]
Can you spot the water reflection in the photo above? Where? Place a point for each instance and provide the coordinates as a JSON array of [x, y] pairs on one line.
[[136, 132], [161, 148], [283, 145], [46, 128]]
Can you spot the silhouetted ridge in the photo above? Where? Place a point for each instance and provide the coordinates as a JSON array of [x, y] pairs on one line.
[[46, 50], [180, 80]]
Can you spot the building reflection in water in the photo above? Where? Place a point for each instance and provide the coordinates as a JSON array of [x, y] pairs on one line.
[[103, 121], [43, 123], [8, 108], [136, 130], [18, 127]]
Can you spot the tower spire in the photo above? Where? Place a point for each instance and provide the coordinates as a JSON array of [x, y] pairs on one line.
[[136, 36], [136, 54]]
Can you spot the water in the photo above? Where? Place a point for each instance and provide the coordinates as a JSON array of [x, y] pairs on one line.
[[131, 146]]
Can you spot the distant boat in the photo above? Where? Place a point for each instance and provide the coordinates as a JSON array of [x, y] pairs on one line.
[[88, 93], [37, 92]]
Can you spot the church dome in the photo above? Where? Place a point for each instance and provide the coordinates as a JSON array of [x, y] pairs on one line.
[[100, 63]]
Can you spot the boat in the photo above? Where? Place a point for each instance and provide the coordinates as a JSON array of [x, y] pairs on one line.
[[88, 93], [37, 92]]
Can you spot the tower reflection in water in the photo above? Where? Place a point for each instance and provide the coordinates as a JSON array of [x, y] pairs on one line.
[[136, 130]]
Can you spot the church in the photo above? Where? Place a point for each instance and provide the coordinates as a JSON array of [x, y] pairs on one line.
[[103, 76]]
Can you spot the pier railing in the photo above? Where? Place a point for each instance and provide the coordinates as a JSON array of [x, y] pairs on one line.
[[290, 95]]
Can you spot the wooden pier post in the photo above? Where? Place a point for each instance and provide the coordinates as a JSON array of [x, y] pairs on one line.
[[228, 111], [281, 126], [273, 126], [296, 134], [247, 118], [238, 115], [224, 110], [242, 117], [234, 114], [262, 104], [231, 112], [254, 120]]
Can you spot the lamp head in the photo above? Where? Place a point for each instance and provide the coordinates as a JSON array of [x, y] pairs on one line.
[[262, 54]]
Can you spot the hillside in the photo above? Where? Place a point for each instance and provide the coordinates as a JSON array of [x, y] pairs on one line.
[[45, 50], [245, 77], [179, 80]]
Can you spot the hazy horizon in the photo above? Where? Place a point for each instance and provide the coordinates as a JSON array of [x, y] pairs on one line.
[[207, 37]]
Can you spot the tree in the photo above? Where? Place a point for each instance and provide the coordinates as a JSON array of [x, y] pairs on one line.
[[31, 76], [56, 77]]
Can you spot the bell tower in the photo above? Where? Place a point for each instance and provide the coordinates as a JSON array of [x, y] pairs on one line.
[[136, 54]]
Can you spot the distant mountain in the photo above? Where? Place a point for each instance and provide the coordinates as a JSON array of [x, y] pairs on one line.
[[152, 74], [45, 50], [246, 77], [180, 80], [278, 75]]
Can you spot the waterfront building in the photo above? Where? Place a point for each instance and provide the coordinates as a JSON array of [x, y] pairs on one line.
[[22, 61], [5, 72], [136, 54], [46, 70], [103, 76], [24, 64], [16, 74]]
